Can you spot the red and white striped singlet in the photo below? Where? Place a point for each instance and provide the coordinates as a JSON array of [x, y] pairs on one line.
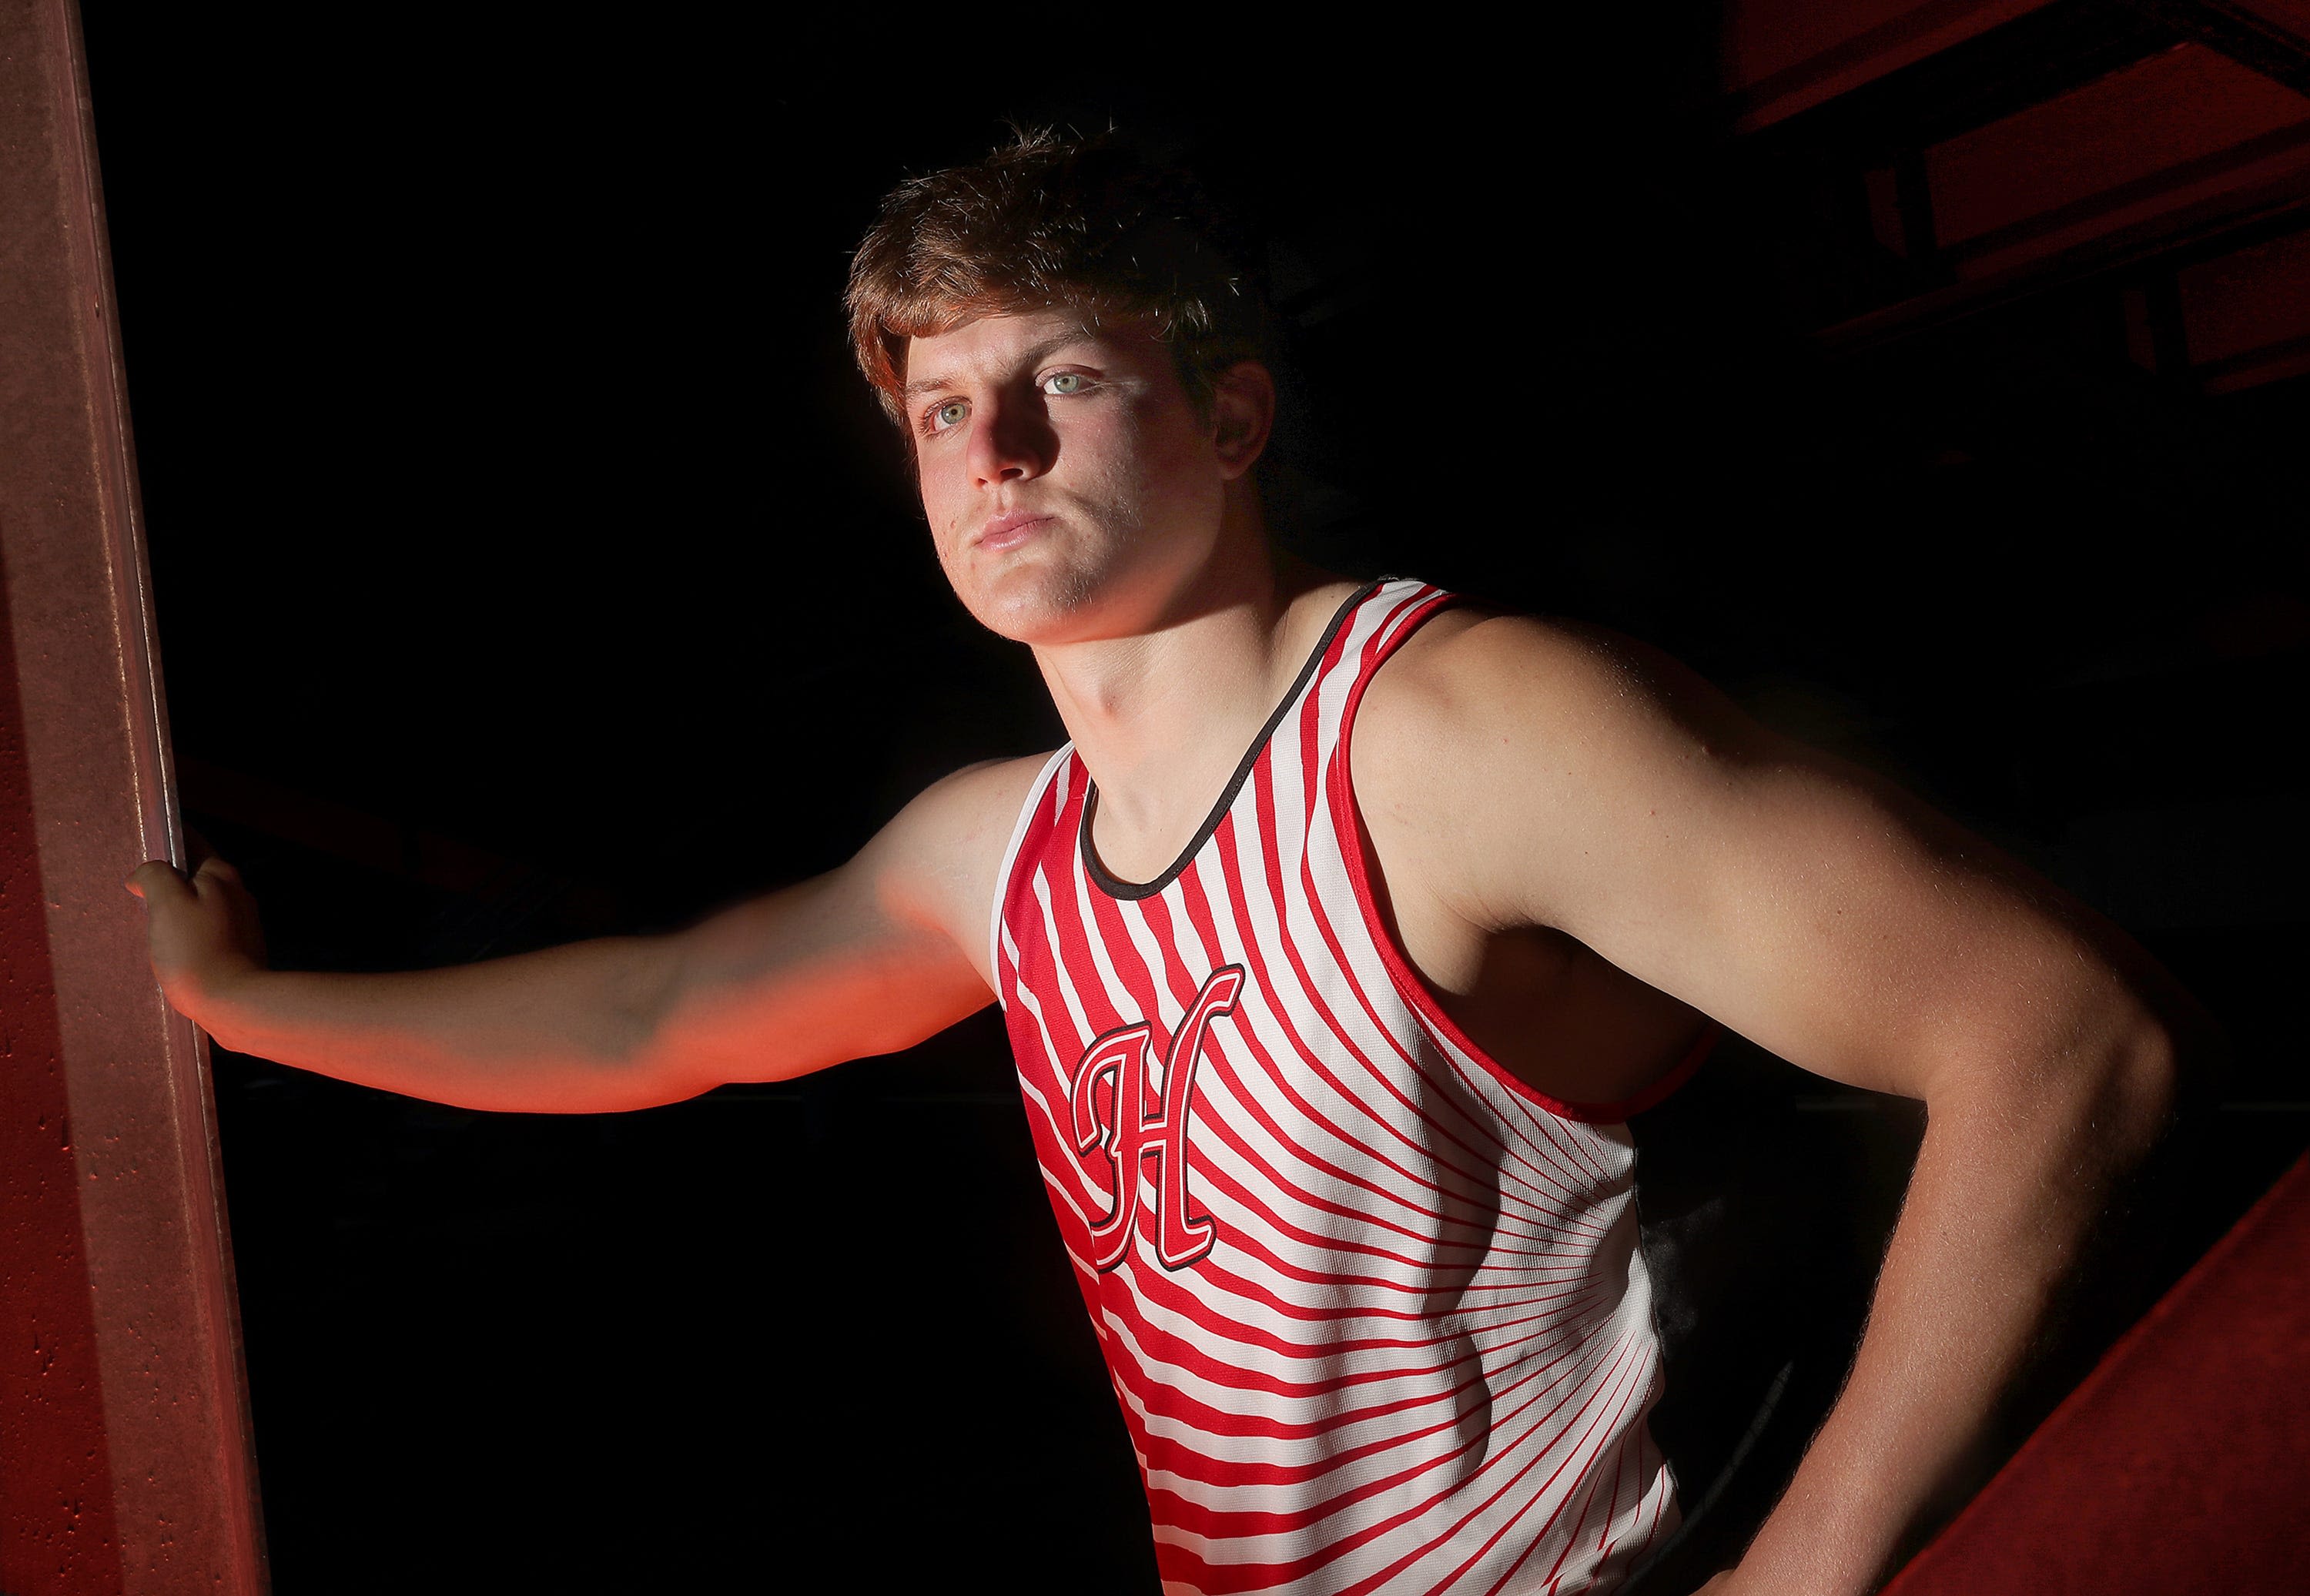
[[1373, 1307]]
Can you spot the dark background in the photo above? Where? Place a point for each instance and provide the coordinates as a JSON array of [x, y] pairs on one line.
[[530, 564]]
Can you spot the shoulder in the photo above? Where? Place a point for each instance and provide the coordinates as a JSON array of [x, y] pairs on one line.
[[1491, 689], [963, 821], [1468, 653], [937, 860], [1492, 743], [976, 799]]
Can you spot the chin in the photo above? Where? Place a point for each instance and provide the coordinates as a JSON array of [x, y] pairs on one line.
[[1033, 603], [1032, 619]]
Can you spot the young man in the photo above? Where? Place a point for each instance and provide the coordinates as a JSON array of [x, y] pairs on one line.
[[1334, 948]]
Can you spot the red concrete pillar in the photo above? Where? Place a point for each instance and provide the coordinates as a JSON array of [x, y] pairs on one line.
[[125, 1460]]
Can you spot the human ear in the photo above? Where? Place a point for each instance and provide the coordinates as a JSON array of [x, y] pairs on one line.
[[1243, 413]]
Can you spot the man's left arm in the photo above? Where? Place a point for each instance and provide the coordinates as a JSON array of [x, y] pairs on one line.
[[1824, 914]]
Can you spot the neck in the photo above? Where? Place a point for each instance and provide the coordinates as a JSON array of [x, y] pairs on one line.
[[1161, 714]]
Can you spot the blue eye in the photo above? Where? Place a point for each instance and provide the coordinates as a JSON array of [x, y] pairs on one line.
[[948, 414], [1063, 383]]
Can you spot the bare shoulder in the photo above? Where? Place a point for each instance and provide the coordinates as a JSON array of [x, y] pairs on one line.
[[1496, 694], [1493, 741], [1479, 669], [936, 861], [964, 806]]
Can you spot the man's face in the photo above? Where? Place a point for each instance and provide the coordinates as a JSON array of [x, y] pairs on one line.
[[1071, 490]]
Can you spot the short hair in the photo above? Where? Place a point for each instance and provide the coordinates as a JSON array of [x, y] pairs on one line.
[[1084, 224]]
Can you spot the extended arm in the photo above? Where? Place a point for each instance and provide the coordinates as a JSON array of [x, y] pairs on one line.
[[1829, 918], [868, 958]]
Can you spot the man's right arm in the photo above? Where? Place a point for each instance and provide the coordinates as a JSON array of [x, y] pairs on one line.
[[868, 958]]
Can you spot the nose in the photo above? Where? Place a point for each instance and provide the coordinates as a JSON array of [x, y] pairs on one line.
[[1011, 441]]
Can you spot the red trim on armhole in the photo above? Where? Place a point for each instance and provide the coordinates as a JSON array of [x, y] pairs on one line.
[[1347, 821]]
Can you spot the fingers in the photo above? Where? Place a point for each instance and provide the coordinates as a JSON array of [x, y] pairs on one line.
[[158, 876], [154, 876], [214, 869]]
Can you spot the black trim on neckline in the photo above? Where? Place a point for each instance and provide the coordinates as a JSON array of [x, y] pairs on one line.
[[1089, 853]]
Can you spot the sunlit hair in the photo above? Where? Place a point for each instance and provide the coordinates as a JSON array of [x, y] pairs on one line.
[[1085, 225]]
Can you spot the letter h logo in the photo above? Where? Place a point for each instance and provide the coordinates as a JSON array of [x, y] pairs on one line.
[[1161, 1134]]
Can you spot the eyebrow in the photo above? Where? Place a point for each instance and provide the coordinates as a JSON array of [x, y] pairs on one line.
[[1031, 357]]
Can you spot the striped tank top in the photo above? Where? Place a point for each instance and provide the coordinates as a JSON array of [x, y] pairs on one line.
[[1373, 1307]]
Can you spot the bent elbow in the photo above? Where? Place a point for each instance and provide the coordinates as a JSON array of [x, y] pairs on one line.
[[2159, 1073], [2143, 1086]]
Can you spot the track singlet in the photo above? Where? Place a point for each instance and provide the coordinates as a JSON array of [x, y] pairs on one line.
[[1374, 1308]]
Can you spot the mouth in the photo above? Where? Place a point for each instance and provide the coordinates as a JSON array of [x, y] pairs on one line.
[[1009, 531]]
